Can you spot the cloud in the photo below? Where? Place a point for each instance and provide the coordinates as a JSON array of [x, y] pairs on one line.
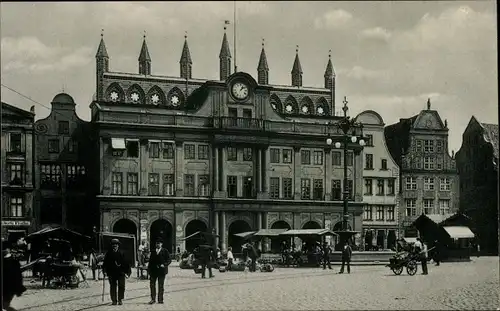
[[333, 19], [359, 73], [377, 33], [30, 55], [448, 30]]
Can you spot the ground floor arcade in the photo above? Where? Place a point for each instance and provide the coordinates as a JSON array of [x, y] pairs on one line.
[[174, 226]]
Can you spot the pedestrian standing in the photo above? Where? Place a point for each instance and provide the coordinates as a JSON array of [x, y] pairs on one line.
[[158, 270], [326, 256], [230, 258], [116, 267], [206, 258], [346, 257], [437, 252], [12, 278], [423, 258], [93, 264]]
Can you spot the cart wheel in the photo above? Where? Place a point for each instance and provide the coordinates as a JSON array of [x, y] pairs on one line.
[[397, 270], [411, 268]]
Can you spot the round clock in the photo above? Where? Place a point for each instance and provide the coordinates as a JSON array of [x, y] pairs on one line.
[[240, 90]]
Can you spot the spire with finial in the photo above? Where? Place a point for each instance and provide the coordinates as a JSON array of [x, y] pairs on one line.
[[102, 66], [225, 56], [329, 73], [101, 50], [445, 123], [186, 63], [144, 58], [428, 104], [263, 68], [297, 70]]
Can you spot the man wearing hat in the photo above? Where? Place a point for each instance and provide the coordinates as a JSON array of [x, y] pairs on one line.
[[326, 256], [116, 267], [159, 261]]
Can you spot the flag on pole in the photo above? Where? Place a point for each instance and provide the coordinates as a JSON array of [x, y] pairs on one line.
[[226, 22]]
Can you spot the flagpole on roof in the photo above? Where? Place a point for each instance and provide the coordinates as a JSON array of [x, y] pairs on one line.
[[234, 35]]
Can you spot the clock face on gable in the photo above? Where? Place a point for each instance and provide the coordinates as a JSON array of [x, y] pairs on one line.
[[240, 90]]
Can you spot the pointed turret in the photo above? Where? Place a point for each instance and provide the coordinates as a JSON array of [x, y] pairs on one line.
[[297, 70], [329, 73], [225, 58], [263, 68], [144, 59], [102, 66], [186, 63]]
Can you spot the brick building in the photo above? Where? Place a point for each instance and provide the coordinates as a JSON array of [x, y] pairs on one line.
[[380, 186], [477, 163], [429, 179], [65, 192], [182, 154], [17, 171]]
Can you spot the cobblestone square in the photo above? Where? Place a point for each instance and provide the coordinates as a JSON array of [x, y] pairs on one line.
[[451, 286]]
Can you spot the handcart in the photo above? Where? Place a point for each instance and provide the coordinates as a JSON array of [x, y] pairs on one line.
[[402, 260]]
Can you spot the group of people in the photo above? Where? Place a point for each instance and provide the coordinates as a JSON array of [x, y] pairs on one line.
[[117, 268]]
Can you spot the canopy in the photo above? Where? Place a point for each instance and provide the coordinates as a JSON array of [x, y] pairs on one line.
[[308, 232], [245, 234], [59, 232], [200, 233], [459, 232], [410, 240], [269, 232]]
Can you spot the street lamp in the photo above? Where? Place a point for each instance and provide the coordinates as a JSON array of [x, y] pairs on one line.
[[347, 126]]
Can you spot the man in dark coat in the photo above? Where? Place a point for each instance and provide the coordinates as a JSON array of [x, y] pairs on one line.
[[346, 257], [207, 258], [12, 278], [326, 256], [158, 270], [116, 267], [437, 252]]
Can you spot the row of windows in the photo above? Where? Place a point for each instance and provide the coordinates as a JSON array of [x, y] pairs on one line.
[[381, 212], [156, 186], [427, 145], [382, 188], [309, 189], [50, 176], [285, 155], [443, 207], [444, 183], [369, 162], [55, 143]]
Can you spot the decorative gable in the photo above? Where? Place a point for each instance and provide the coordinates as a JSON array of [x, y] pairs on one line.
[[430, 120]]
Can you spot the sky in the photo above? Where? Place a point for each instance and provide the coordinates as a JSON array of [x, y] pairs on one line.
[[388, 56]]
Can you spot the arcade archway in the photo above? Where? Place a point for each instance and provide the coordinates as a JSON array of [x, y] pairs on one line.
[[125, 225], [311, 225], [161, 228], [238, 226], [192, 227], [276, 241], [391, 240]]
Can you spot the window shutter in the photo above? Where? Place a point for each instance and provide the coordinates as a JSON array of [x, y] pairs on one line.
[[23, 142], [7, 142]]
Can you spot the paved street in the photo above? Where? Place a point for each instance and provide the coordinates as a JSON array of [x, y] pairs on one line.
[[452, 286]]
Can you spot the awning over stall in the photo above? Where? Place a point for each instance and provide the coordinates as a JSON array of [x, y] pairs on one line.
[[245, 234], [200, 233], [410, 240], [309, 232], [118, 143], [459, 232], [269, 232]]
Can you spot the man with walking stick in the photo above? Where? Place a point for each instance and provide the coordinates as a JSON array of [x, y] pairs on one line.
[[158, 269], [116, 267]]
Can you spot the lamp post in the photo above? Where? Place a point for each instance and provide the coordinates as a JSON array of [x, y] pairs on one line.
[[347, 126]]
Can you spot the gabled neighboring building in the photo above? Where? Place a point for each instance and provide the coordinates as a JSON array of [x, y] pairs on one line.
[[429, 178], [65, 181], [477, 163], [17, 171], [380, 186]]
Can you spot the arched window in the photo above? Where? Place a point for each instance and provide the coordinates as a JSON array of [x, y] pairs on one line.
[[306, 106], [322, 108], [276, 103]]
